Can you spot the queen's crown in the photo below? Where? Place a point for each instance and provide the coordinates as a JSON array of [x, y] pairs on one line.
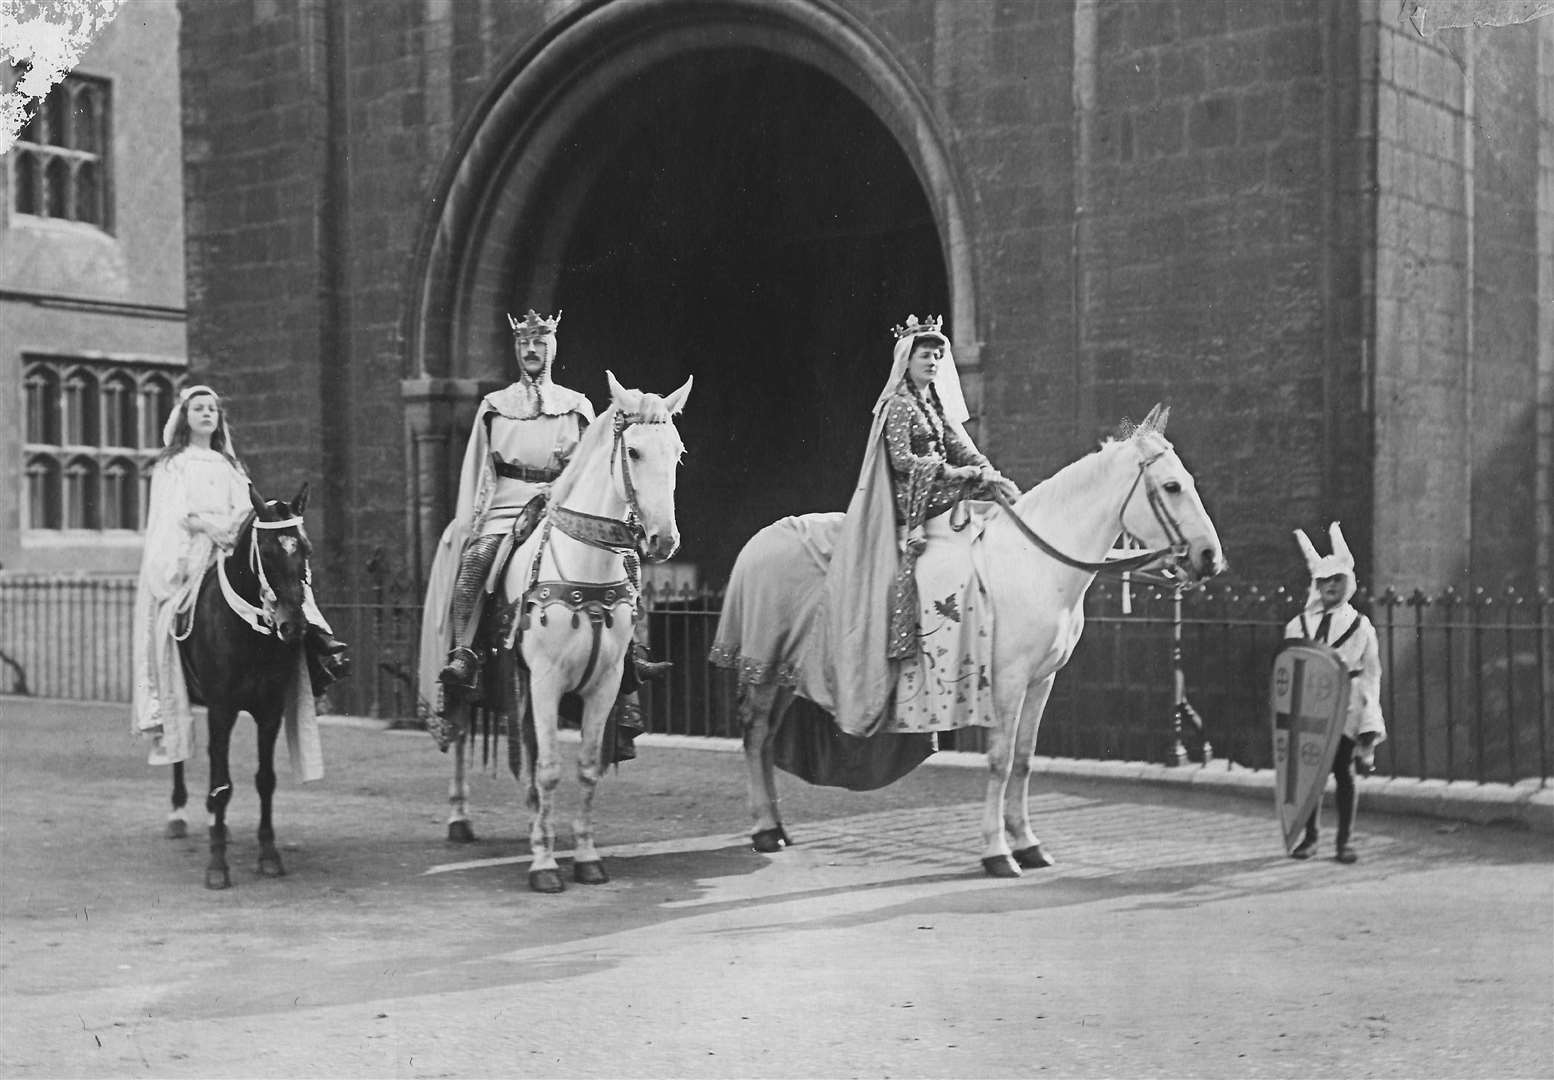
[[534, 324], [928, 324]]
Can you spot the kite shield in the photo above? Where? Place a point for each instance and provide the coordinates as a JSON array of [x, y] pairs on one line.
[[1308, 701]]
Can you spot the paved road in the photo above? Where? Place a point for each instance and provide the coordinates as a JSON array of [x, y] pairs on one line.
[[1172, 939]]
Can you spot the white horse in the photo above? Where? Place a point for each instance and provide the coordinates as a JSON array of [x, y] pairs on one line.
[[573, 588], [1047, 552]]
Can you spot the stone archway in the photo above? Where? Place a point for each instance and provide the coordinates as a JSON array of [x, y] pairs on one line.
[[749, 192]]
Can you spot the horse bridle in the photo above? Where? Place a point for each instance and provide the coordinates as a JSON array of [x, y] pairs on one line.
[[260, 618], [1177, 549], [626, 537]]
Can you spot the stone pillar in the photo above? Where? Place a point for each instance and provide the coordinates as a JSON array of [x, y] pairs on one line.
[[438, 415]]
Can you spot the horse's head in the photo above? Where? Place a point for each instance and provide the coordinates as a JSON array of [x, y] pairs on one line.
[[649, 451], [1163, 508], [274, 547]]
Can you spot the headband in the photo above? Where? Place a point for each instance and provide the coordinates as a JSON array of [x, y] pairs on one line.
[[183, 399]]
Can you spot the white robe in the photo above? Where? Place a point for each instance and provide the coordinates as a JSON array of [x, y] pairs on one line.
[[173, 564], [1360, 654]]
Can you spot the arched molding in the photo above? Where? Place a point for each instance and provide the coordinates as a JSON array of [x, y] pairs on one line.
[[463, 276], [495, 186]]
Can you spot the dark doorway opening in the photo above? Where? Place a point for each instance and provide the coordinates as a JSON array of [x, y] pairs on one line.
[[742, 217]]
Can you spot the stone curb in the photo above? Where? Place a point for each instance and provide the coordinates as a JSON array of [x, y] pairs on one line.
[[1527, 804]]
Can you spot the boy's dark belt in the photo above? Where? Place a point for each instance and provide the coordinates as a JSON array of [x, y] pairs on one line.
[[513, 471]]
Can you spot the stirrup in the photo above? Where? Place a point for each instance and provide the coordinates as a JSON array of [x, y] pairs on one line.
[[628, 719], [462, 669]]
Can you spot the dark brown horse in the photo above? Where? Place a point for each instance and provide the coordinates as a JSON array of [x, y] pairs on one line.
[[241, 655]]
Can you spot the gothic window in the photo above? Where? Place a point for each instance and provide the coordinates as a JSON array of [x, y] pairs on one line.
[[26, 182], [43, 493], [121, 495], [120, 427], [93, 430], [59, 167], [156, 403], [81, 494], [80, 409], [42, 405]]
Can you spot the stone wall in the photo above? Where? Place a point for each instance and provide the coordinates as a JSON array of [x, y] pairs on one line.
[[1459, 328], [1250, 210]]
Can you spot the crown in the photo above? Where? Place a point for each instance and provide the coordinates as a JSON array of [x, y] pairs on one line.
[[534, 324], [929, 324]]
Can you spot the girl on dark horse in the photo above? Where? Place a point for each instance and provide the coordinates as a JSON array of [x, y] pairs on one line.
[[200, 504]]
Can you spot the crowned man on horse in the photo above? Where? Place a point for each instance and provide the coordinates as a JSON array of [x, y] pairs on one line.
[[523, 437]]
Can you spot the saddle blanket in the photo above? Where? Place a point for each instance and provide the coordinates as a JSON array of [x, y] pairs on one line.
[[776, 594]]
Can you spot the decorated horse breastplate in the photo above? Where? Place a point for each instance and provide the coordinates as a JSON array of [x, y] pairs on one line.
[[598, 602]]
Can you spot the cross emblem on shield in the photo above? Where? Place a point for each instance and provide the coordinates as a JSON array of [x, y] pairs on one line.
[[1308, 701]]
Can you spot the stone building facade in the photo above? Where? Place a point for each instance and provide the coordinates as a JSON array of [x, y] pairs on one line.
[[1325, 238], [92, 345]]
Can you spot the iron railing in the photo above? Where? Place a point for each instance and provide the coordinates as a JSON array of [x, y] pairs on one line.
[[66, 636], [1467, 689]]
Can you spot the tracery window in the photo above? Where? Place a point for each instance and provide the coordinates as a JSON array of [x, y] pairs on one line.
[[59, 166], [93, 430]]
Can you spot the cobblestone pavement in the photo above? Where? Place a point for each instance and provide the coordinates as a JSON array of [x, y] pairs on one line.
[[1172, 938]]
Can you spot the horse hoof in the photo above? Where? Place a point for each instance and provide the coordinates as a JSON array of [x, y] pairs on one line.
[[590, 873], [1032, 858], [546, 881], [218, 879], [770, 840], [177, 829], [1000, 866], [459, 832], [271, 867]]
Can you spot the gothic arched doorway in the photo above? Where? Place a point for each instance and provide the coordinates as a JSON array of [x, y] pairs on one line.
[[734, 202]]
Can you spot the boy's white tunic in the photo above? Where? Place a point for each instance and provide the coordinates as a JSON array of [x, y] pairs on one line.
[[1360, 654]]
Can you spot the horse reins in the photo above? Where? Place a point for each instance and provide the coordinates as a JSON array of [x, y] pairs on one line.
[[1173, 529], [260, 618]]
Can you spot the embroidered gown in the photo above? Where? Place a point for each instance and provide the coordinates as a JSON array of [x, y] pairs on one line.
[[920, 446]]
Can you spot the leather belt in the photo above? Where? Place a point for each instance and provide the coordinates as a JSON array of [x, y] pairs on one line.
[[513, 471]]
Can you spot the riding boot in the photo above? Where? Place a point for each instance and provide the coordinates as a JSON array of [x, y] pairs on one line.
[[628, 725], [647, 668], [463, 667], [326, 656]]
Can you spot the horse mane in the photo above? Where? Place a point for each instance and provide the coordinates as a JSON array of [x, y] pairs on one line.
[[597, 432], [1071, 477]]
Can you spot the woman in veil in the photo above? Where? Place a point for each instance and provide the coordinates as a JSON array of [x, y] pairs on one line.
[[918, 463]]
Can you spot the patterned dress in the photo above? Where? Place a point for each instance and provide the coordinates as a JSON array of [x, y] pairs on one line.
[[920, 446]]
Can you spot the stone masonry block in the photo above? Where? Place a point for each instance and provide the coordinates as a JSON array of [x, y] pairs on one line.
[[1212, 122]]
